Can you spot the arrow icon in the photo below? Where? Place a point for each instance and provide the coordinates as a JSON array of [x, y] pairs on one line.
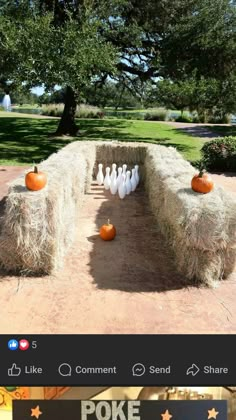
[[193, 370]]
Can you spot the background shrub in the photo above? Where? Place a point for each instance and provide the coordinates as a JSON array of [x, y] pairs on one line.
[[183, 118], [220, 154], [88, 111], [53, 110], [217, 119], [196, 119], [161, 115], [124, 115], [82, 111]]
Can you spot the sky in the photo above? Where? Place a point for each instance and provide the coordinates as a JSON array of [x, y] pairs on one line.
[[39, 90]]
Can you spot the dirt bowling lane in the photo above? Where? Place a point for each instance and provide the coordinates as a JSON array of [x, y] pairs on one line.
[[128, 285]]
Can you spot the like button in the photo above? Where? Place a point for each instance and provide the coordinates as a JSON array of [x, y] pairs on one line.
[[14, 370]]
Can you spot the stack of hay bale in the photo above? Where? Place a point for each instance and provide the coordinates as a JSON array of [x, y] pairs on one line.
[[201, 228], [38, 228]]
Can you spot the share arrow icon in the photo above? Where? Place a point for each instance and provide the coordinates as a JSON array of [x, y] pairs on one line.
[[193, 370]]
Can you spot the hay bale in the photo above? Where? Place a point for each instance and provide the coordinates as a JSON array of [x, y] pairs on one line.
[[120, 153], [201, 228], [39, 227]]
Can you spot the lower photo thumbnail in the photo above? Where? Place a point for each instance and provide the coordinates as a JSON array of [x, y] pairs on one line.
[[120, 403]]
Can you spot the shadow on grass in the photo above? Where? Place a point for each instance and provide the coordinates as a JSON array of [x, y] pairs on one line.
[[25, 140], [201, 132]]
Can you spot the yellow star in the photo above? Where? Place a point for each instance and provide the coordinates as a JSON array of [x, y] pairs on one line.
[[35, 412], [212, 413], [166, 415]]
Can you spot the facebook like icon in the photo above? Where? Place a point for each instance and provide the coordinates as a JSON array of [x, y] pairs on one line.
[[13, 344]]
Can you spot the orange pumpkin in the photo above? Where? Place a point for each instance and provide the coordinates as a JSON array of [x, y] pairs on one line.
[[35, 180], [108, 231], [202, 183]]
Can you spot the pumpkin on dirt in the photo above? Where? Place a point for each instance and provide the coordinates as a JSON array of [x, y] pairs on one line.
[[202, 183], [108, 231], [35, 180]]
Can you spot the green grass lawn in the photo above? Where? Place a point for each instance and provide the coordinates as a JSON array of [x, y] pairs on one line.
[[26, 106], [24, 140]]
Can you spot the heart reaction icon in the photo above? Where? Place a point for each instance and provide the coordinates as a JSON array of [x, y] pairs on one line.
[[23, 344]]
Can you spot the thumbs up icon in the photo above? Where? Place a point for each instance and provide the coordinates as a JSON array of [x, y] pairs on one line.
[[14, 370]]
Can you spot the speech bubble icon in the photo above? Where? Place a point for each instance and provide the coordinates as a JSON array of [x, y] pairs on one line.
[[138, 369], [65, 369]]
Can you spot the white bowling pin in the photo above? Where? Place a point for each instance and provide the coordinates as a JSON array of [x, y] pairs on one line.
[[107, 180], [124, 167], [113, 171], [119, 178], [133, 180], [100, 176], [122, 188], [128, 184], [114, 186], [136, 174]]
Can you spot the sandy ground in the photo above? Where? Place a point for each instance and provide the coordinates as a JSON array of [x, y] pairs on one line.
[[129, 285]]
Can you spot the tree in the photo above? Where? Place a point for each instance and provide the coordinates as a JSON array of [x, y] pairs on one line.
[[212, 99], [201, 38], [55, 97], [70, 56], [110, 94], [177, 95], [169, 39]]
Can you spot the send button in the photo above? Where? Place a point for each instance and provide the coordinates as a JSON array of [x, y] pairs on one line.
[[159, 370]]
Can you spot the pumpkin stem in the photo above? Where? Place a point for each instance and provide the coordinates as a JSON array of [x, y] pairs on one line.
[[108, 221], [35, 169], [201, 169]]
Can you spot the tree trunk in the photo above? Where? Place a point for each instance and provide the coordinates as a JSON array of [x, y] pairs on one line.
[[119, 99], [67, 125]]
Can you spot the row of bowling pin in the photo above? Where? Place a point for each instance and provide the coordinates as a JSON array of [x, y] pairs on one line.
[[123, 182]]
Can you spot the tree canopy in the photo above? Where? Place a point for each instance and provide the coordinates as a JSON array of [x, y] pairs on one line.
[[73, 43]]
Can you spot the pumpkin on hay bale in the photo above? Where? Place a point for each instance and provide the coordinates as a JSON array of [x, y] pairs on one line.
[[202, 182], [35, 180]]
